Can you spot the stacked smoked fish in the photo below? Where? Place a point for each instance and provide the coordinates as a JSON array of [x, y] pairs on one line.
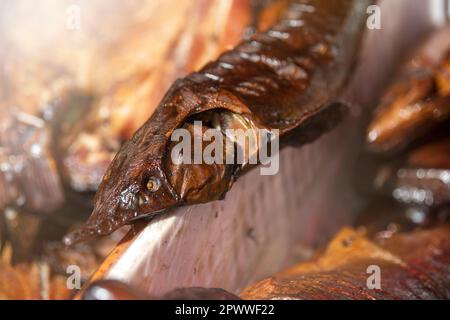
[[411, 133], [410, 266], [63, 119], [66, 110], [411, 129]]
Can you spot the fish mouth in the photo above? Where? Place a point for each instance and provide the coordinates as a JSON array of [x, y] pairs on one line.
[[98, 226], [117, 204]]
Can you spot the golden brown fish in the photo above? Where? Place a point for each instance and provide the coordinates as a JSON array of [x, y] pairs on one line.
[[417, 101], [286, 78], [413, 266]]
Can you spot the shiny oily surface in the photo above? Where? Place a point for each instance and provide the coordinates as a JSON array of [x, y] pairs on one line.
[[276, 78], [414, 266], [422, 178], [418, 99]]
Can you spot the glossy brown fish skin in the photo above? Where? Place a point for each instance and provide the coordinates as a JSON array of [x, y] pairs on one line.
[[284, 78], [118, 114], [414, 266], [417, 100], [422, 179], [132, 99]]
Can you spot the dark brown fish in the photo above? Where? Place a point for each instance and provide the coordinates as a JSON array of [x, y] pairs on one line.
[[28, 170], [90, 148], [422, 179], [417, 101], [286, 78], [413, 266]]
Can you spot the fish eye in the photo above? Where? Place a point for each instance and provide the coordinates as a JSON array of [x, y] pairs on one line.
[[153, 184], [142, 199]]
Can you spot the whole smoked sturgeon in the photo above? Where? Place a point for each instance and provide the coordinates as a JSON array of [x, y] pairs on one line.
[[285, 78]]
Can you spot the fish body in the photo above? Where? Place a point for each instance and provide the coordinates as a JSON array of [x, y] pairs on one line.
[[418, 99], [138, 88], [422, 179], [286, 78], [413, 266], [413, 115]]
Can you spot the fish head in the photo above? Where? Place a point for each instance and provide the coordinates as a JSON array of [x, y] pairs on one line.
[[134, 186], [142, 180]]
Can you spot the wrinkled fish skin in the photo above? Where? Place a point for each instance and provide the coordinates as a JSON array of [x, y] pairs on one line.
[[127, 104], [414, 266], [418, 99], [284, 78]]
